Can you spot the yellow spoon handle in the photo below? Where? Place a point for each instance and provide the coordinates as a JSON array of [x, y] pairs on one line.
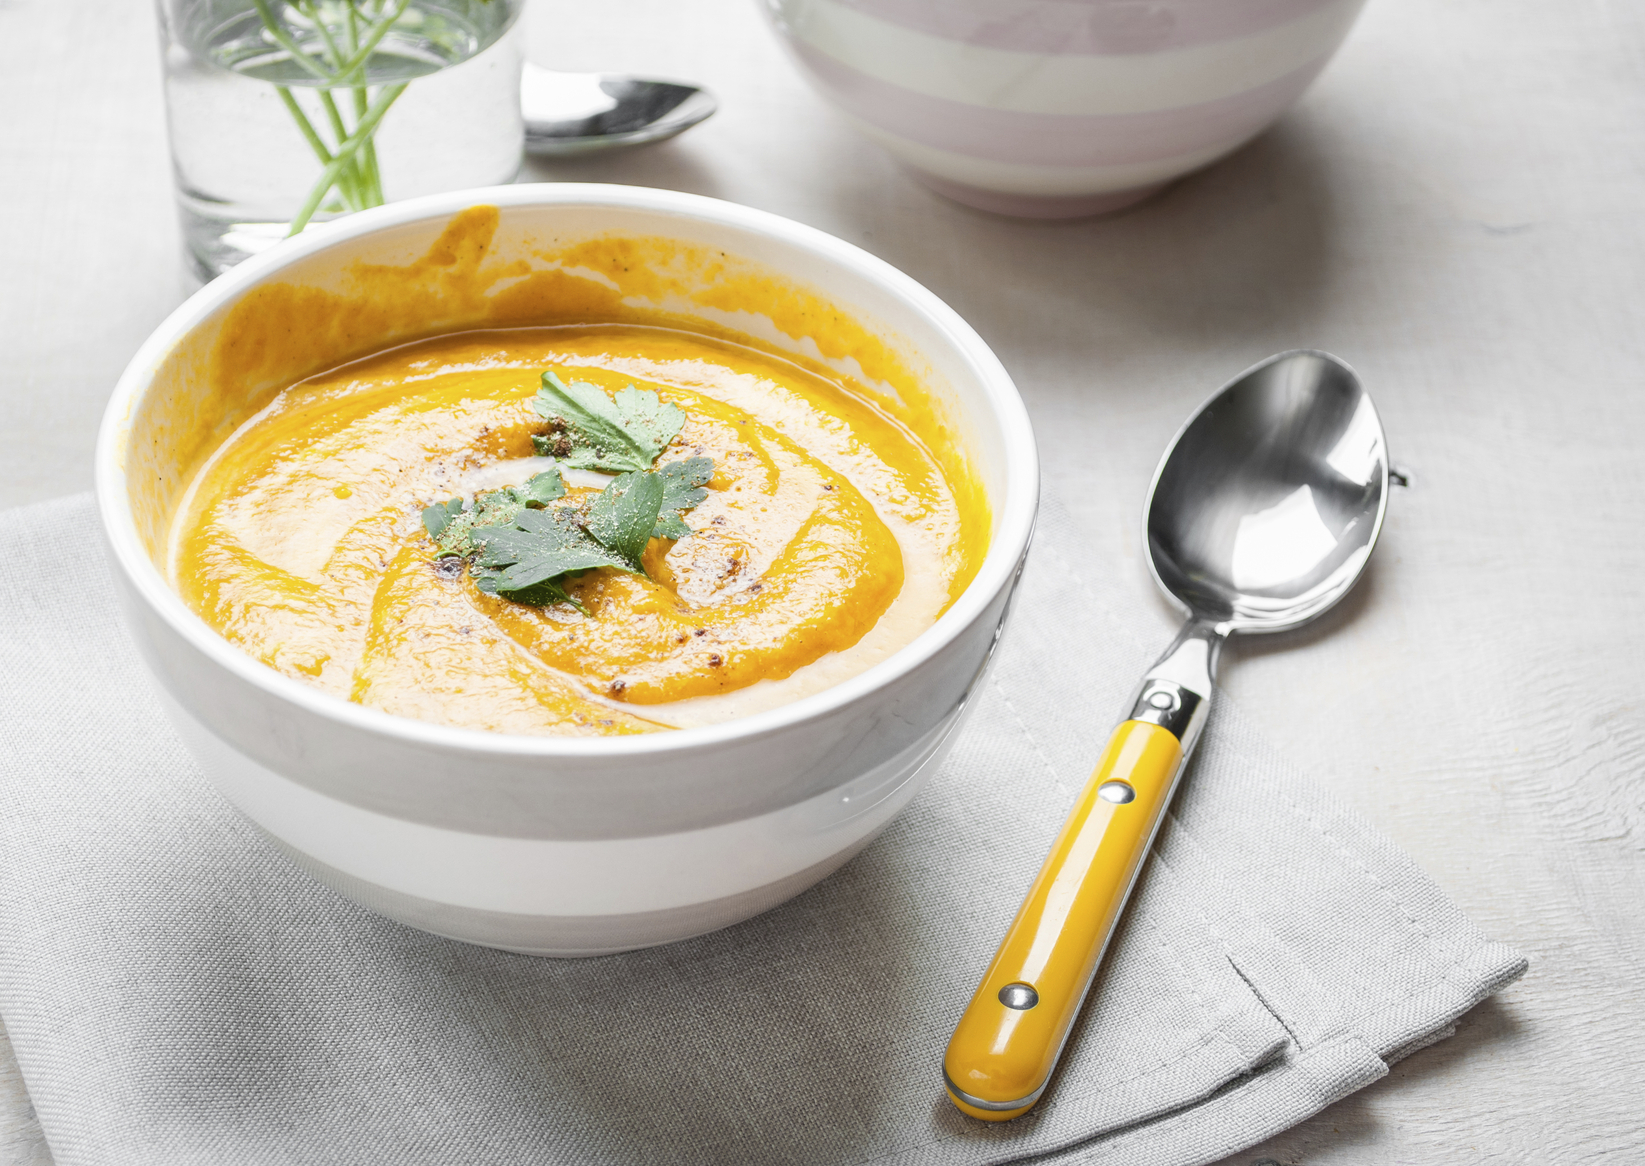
[[1012, 1033]]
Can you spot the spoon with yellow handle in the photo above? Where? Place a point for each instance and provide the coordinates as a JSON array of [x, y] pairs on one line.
[[1262, 514]]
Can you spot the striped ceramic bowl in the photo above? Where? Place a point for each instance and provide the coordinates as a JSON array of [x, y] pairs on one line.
[[1057, 108]]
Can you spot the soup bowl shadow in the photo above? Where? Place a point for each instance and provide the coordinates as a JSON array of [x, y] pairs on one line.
[[539, 844]]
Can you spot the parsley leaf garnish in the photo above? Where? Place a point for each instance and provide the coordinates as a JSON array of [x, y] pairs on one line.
[[589, 430], [527, 558], [522, 549], [538, 546], [683, 484], [439, 516], [451, 527], [541, 489], [623, 515]]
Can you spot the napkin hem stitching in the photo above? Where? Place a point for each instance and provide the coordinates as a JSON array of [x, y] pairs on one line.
[[1039, 751], [1326, 1090], [1355, 860]]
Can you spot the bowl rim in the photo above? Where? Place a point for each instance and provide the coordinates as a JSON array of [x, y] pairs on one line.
[[1013, 521]]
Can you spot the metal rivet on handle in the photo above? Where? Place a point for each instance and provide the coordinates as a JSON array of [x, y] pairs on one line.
[[1022, 997], [1117, 792]]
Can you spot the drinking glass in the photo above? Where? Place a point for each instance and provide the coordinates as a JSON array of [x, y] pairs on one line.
[[284, 113]]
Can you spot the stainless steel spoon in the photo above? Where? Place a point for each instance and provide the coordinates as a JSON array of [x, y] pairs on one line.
[[1262, 514], [580, 113]]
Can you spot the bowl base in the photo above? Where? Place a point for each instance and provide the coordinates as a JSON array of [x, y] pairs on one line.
[[1040, 206]]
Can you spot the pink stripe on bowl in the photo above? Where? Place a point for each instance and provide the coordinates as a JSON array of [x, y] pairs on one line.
[[1085, 27], [1044, 139]]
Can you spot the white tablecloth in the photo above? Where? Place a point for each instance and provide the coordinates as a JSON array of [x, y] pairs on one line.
[[1455, 208]]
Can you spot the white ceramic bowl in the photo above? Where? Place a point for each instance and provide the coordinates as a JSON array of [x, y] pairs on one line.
[[549, 845], [1058, 108]]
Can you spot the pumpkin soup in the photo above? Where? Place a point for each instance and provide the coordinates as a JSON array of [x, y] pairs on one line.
[[438, 531]]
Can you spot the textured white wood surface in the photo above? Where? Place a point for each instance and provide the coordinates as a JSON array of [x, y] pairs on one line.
[[1455, 208]]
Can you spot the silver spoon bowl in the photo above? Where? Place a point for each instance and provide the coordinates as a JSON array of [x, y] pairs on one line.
[[1265, 509], [1263, 513], [570, 114]]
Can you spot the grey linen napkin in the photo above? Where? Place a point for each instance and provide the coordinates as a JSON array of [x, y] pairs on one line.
[[177, 992]]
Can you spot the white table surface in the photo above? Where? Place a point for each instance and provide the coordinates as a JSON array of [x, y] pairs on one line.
[[1455, 208]]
